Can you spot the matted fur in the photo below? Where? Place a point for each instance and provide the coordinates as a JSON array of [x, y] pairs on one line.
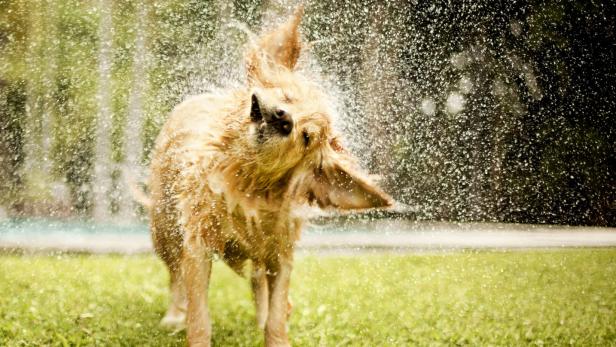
[[223, 183]]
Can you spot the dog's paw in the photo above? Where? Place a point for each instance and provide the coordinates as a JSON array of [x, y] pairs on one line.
[[278, 344], [261, 322], [276, 338], [174, 321]]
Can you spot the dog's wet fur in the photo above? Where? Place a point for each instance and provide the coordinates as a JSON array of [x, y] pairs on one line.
[[229, 173]]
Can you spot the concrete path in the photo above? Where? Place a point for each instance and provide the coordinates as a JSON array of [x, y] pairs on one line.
[[357, 237]]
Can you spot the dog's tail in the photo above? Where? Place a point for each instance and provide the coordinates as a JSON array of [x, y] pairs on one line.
[[140, 196], [136, 192]]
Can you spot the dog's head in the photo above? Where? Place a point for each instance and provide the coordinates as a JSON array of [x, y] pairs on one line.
[[290, 128]]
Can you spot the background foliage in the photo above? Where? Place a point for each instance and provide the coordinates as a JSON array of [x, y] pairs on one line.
[[473, 110]]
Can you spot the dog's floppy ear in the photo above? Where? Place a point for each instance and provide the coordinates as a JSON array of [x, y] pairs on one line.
[[282, 47], [338, 186]]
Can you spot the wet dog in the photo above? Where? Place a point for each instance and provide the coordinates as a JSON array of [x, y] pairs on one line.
[[229, 172]]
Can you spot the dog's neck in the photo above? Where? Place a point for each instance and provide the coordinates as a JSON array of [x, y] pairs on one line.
[[246, 178]]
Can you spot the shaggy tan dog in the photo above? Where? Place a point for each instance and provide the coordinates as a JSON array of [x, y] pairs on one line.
[[229, 172]]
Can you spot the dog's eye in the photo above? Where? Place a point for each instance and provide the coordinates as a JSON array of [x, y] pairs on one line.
[[287, 98], [306, 138]]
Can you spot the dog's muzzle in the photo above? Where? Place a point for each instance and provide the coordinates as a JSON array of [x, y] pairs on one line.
[[281, 121], [275, 118]]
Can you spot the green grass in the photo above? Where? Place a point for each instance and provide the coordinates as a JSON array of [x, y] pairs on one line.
[[559, 297]]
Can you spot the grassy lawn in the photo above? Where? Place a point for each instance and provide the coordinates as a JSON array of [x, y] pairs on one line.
[[558, 297]]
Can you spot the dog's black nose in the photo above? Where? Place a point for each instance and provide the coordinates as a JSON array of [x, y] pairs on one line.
[[280, 114], [282, 122]]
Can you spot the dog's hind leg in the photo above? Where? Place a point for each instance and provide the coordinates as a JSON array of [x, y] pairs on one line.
[[258, 280], [167, 242], [175, 318]]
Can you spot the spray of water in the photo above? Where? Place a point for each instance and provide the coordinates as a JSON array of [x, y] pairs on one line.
[[469, 111]]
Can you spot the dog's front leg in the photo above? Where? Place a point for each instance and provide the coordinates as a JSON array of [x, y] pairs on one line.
[[196, 266], [260, 293], [279, 277]]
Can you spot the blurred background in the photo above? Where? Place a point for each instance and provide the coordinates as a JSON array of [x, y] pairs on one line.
[[499, 111]]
